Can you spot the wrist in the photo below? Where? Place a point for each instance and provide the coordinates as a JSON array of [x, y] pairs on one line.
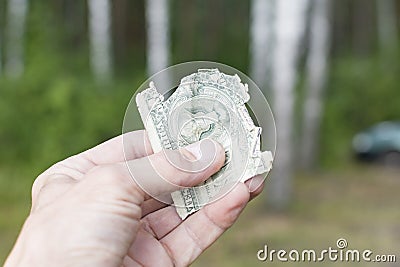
[[28, 250]]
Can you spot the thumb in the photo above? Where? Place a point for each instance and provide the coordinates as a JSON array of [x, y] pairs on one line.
[[170, 170]]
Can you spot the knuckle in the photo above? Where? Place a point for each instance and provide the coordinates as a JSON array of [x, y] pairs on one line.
[[107, 173], [37, 185]]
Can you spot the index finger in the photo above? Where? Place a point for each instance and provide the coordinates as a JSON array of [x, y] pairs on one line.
[[186, 242], [188, 239]]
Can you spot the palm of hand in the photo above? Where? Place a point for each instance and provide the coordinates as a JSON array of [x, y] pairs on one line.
[[90, 202]]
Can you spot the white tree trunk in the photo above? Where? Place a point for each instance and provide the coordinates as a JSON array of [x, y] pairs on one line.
[[158, 42], [316, 77], [100, 39], [261, 29], [1, 55], [1, 42], [289, 29], [15, 30], [387, 29]]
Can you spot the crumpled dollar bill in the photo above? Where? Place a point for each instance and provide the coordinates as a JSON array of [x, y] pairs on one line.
[[206, 104]]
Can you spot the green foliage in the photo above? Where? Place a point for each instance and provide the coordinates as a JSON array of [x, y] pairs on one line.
[[46, 120], [361, 92], [56, 109], [205, 30]]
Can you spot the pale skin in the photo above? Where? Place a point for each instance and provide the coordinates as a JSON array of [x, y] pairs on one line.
[[87, 210]]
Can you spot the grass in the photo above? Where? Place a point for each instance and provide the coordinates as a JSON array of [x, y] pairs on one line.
[[359, 204], [14, 207]]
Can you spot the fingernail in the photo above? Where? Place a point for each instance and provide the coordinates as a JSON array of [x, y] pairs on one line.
[[250, 186], [195, 150], [209, 149], [254, 183], [204, 150]]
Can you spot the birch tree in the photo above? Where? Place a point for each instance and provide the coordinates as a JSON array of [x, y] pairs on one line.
[[289, 28], [1, 36], [1, 61], [387, 30], [158, 43], [14, 39], [316, 71], [261, 29], [100, 39]]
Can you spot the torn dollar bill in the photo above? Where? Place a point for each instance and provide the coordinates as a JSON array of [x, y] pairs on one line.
[[206, 104]]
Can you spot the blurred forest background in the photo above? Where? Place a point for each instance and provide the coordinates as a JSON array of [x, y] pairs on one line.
[[330, 68]]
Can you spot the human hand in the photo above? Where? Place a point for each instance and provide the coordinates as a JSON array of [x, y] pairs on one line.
[[88, 211]]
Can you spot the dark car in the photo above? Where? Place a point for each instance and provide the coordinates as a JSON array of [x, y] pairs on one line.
[[381, 142]]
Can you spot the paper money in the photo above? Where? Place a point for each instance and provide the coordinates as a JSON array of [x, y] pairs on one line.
[[206, 104]]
